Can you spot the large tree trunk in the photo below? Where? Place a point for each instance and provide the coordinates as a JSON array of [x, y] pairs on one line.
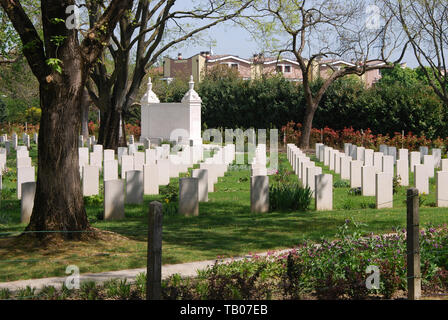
[[307, 125], [110, 129], [59, 204]]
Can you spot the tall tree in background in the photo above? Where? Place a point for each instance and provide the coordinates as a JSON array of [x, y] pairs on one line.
[[330, 29], [425, 23], [142, 38], [61, 65]]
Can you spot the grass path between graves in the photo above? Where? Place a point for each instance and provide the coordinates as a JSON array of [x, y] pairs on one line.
[[224, 228]]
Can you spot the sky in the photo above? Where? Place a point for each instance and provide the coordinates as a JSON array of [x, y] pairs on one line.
[[229, 38]]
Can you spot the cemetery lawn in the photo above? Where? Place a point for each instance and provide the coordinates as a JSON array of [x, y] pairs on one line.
[[224, 228]]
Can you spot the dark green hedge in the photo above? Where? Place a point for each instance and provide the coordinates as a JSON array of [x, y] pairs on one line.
[[391, 106]]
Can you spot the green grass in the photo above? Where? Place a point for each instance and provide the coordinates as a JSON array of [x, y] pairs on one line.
[[225, 227]]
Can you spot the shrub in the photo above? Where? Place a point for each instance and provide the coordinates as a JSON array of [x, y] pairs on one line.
[[291, 196], [341, 184], [89, 290]]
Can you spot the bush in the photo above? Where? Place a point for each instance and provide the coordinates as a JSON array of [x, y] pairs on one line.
[[289, 197]]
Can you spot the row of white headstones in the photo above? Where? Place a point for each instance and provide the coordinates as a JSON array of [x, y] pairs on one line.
[[143, 172], [373, 172], [13, 143], [310, 175]]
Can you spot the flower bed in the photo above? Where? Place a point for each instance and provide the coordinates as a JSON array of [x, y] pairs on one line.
[[337, 138], [328, 270]]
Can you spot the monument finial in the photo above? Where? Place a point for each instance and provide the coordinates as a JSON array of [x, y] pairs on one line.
[[191, 83], [149, 84]]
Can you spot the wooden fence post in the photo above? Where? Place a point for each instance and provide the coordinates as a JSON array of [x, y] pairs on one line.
[[154, 265], [413, 245]]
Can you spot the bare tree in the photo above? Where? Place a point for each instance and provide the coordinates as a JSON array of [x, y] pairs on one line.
[[425, 23], [330, 29], [141, 40]]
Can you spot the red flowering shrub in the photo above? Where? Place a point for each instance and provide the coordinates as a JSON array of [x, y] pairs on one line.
[[337, 138], [134, 130]]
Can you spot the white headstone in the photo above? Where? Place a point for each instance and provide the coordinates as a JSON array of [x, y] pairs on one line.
[[324, 192], [24, 174], [421, 179], [91, 181], [134, 187], [368, 181], [384, 190], [114, 200], [150, 179]]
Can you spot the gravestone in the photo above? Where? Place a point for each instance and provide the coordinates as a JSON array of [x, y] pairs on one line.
[[305, 166], [300, 162], [96, 159], [127, 164], [444, 164], [347, 148], [91, 181], [428, 162], [110, 170], [403, 172], [150, 156], [384, 190], [415, 159], [368, 157], [109, 155], [23, 162], [189, 196], [403, 154], [114, 200], [337, 159], [134, 187], [311, 173], [163, 170], [122, 151], [388, 164], [324, 192], [22, 153], [146, 143], [384, 149], [442, 189], [354, 152], [259, 194], [355, 173], [132, 148], [98, 148], [421, 180], [392, 151], [423, 152], [327, 151], [83, 156], [316, 151], [368, 181], [360, 154], [378, 161], [27, 201], [151, 179], [24, 174], [202, 175], [139, 161], [345, 167], [437, 153]]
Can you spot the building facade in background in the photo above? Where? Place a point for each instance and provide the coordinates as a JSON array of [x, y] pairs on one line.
[[255, 67]]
